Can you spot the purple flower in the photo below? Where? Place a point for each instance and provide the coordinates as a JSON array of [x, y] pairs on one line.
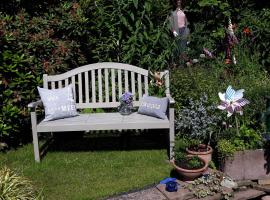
[[127, 98]]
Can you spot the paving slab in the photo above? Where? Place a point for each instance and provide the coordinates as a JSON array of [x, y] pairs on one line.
[[181, 194], [158, 192], [265, 188], [247, 194], [147, 194]]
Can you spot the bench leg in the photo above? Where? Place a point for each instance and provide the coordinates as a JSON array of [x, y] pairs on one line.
[[36, 146], [171, 133], [35, 136]]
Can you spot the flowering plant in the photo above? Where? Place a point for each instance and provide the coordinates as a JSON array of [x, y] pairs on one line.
[[127, 98], [126, 103], [157, 84], [232, 101], [197, 119]]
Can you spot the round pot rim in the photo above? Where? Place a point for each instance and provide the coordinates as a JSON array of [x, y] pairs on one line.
[[190, 170], [209, 150]]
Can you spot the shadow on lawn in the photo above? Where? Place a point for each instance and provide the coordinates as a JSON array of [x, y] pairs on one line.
[[129, 140]]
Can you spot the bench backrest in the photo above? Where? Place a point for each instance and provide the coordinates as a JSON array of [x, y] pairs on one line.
[[100, 85]]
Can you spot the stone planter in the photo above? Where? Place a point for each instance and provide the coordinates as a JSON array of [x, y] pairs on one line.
[[248, 165], [190, 174], [205, 155]]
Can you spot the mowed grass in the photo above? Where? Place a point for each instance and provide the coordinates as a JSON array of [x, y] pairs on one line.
[[89, 174]]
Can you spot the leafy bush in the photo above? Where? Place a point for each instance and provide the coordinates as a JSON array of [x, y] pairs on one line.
[[255, 28], [31, 46], [130, 31], [15, 93], [13, 186], [191, 82], [53, 37], [197, 119], [230, 142]]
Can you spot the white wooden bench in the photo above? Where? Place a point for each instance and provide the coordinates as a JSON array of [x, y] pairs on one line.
[[100, 85]]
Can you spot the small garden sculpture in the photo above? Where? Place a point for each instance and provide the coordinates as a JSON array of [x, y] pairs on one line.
[[178, 26], [230, 42]]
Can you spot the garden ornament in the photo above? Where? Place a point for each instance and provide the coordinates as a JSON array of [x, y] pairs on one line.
[[230, 42], [178, 26], [171, 184], [232, 101], [228, 182]]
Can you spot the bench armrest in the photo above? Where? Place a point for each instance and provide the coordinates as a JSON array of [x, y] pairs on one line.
[[171, 100], [32, 106]]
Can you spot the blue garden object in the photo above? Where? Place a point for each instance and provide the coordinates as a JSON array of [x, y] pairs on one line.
[[166, 180], [171, 186]]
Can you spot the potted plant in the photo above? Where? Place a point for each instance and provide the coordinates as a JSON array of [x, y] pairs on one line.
[[240, 145], [197, 120], [188, 167]]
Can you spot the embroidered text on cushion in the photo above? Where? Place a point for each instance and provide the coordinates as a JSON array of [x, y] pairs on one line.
[[153, 106], [58, 103]]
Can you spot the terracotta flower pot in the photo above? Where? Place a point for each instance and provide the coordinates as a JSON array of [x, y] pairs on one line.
[[190, 174], [205, 155]]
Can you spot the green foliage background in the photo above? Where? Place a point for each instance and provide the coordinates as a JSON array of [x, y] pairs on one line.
[[54, 36]]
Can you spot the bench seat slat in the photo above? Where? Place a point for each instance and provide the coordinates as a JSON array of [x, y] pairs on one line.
[[103, 121]]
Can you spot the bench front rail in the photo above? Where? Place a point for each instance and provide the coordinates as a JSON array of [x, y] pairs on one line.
[[101, 85]]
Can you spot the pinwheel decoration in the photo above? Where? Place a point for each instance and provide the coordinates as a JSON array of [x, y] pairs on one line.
[[232, 101]]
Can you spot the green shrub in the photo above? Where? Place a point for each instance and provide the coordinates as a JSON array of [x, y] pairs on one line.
[[16, 92], [258, 40], [130, 31], [191, 82], [225, 148], [31, 46], [13, 186]]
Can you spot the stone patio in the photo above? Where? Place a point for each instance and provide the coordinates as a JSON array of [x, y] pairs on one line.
[[158, 192]]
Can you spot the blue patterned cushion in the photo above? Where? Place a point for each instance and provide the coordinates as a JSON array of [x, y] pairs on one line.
[[153, 106], [58, 103]]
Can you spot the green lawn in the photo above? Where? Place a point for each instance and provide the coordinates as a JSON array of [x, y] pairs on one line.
[[89, 174]]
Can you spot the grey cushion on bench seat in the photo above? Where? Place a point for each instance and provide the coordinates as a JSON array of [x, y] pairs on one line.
[[101, 121]]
